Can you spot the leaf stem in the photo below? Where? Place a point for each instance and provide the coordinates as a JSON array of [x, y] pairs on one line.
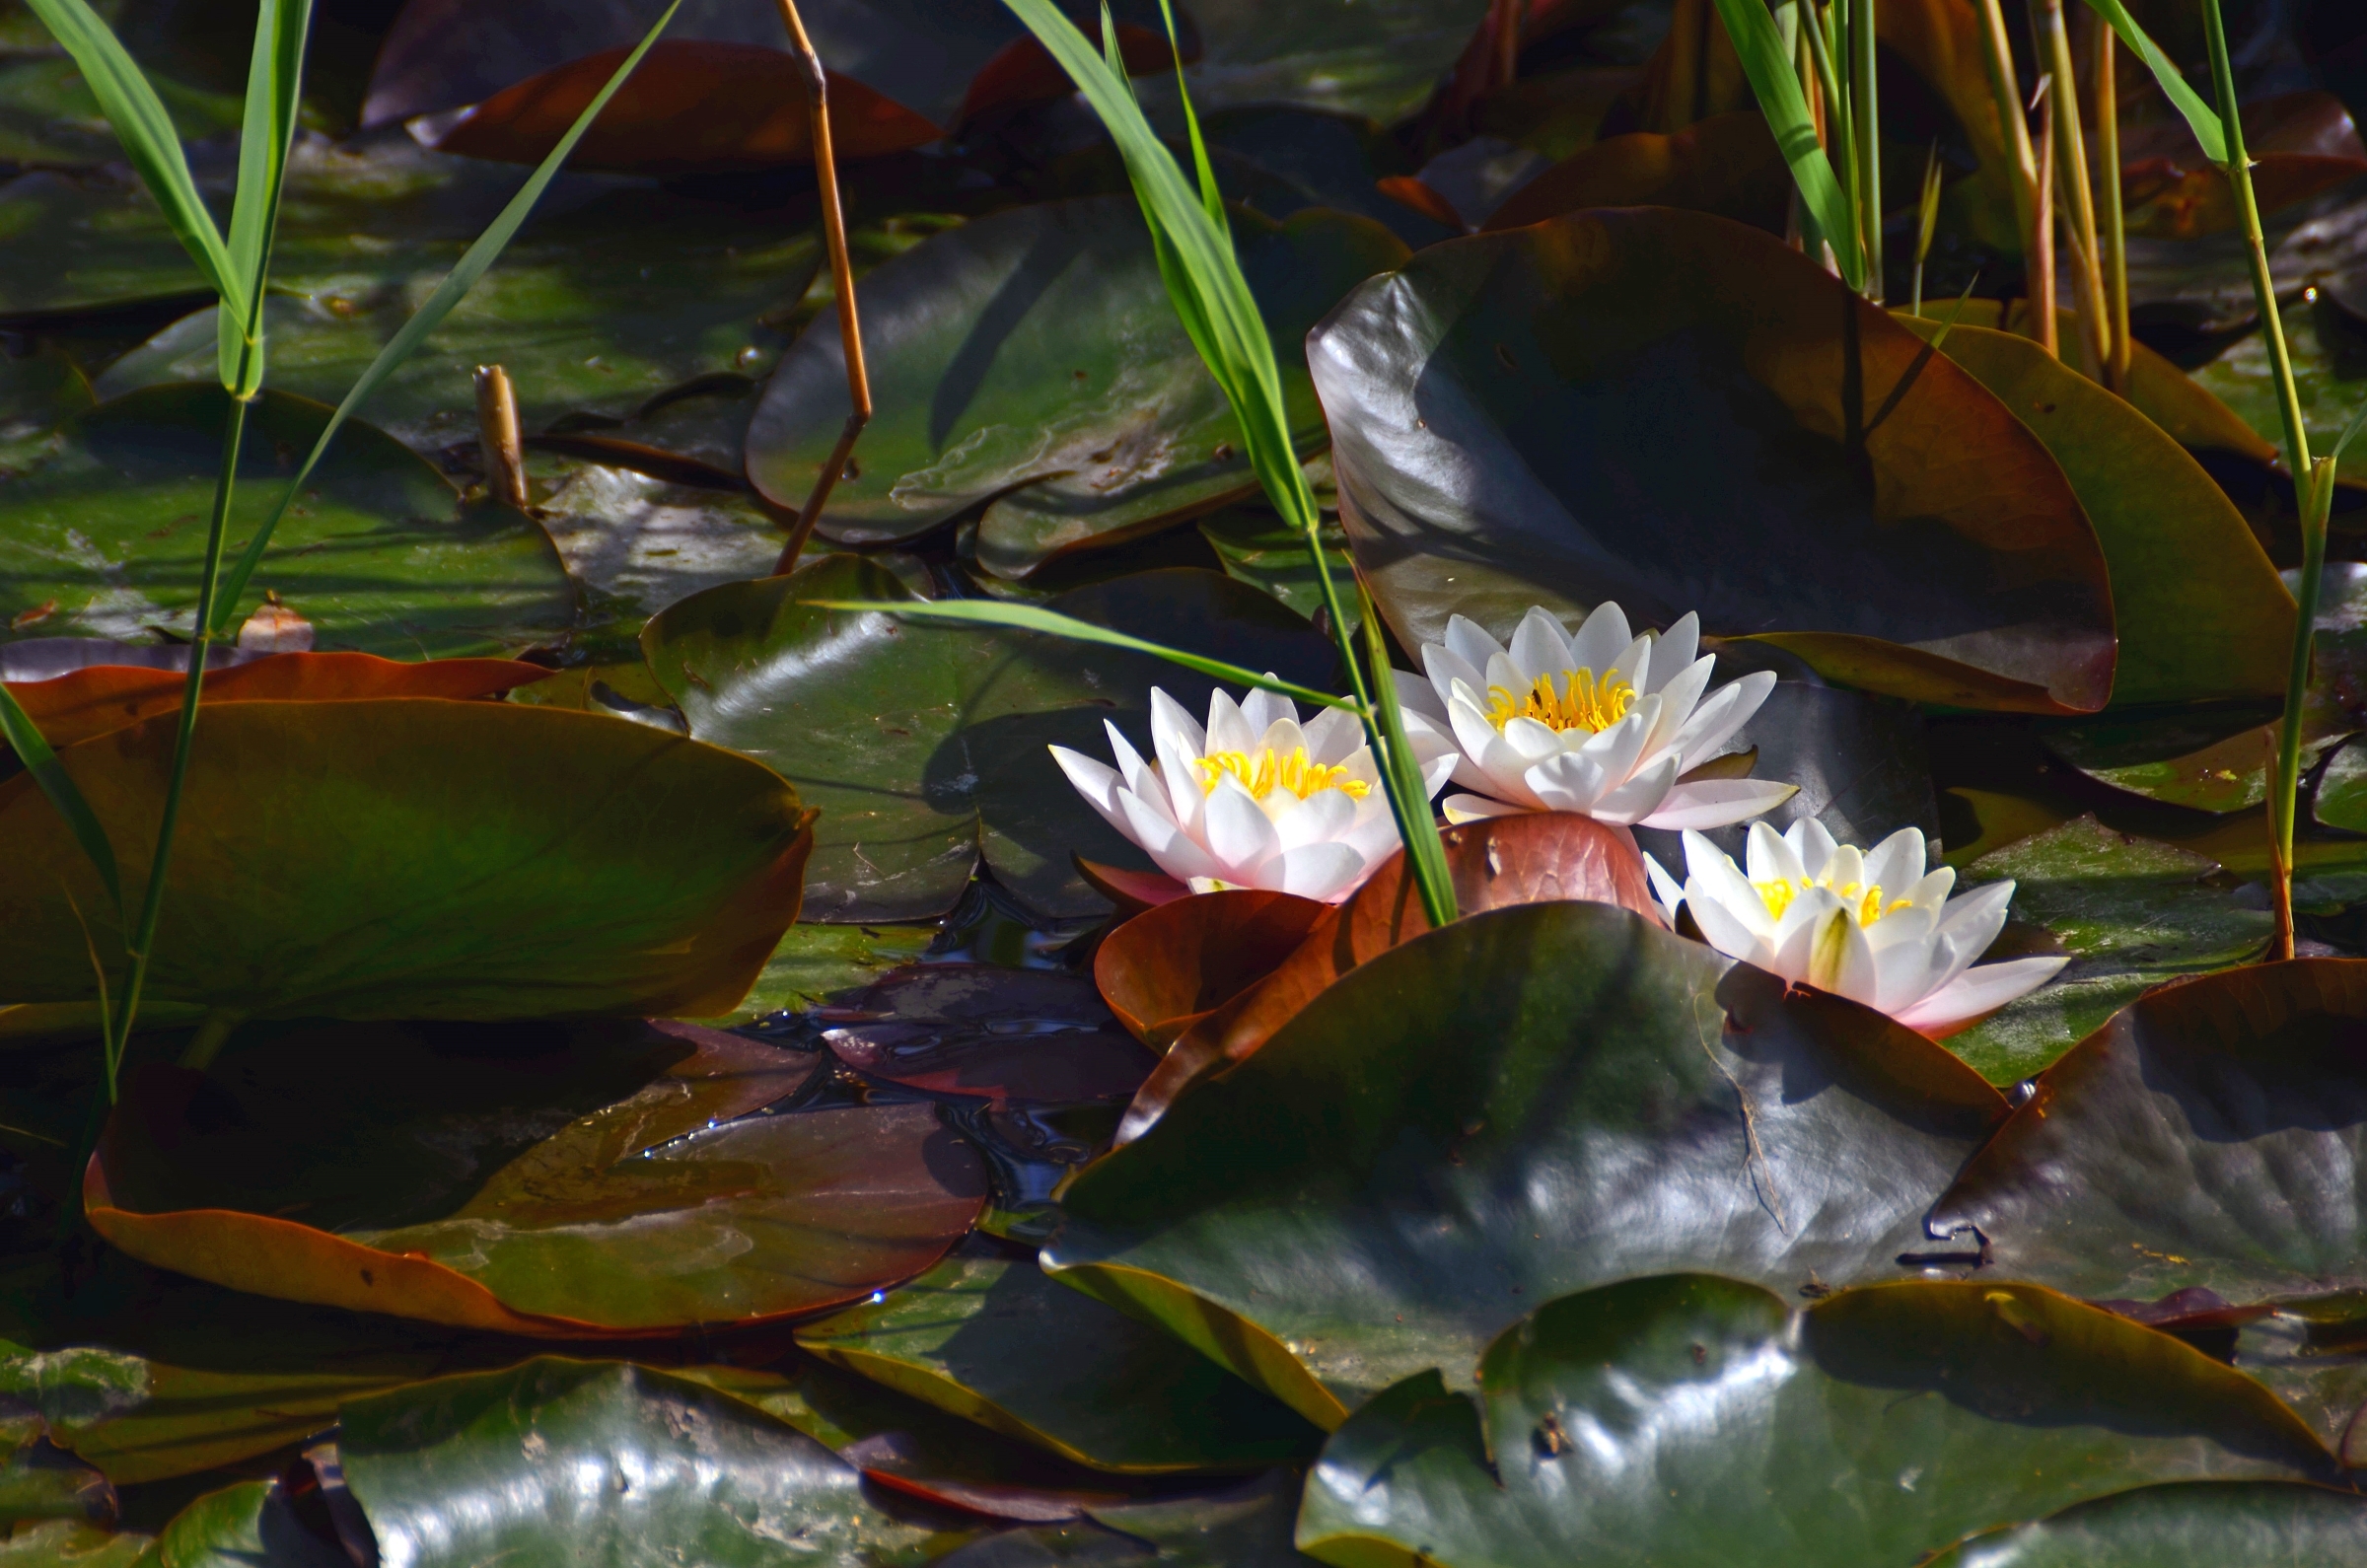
[[2112, 221], [1866, 119], [2284, 804], [1425, 853]]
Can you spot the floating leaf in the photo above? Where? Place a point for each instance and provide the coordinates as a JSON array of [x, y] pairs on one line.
[[426, 858], [1248, 1527], [924, 745], [1693, 1419], [505, 1191], [2247, 1085], [561, 1461], [2189, 1524], [1000, 1343], [1532, 1100], [1728, 165], [980, 1029], [1033, 358], [376, 553], [249, 1524], [1170, 965], [69, 1544], [1787, 461], [2200, 611], [1258, 548], [2300, 144]]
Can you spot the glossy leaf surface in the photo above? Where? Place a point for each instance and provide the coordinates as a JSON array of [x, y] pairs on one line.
[[109, 535], [995, 1034], [1032, 357], [1791, 464], [998, 1343], [1192, 954], [418, 865], [2194, 1524], [616, 1182], [1726, 164], [1246, 1527], [924, 745], [1688, 1418], [1532, 1100]]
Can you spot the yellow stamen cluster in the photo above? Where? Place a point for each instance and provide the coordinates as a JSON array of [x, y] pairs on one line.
[[1864, 903], [1581, 703], [1265, 770]]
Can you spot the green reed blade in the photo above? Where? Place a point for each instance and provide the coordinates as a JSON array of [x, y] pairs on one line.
[[275, 78], [25, 738], [2208, 130], [1769, 65]]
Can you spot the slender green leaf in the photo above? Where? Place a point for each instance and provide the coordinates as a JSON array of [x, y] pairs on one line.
[[1211, 198], [274, 80], [146, 131], [2350, 433], [456, 285], [2208, 131], [1027, 617], [1769, 65], [25, 738]]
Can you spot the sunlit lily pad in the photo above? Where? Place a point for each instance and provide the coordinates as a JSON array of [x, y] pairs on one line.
[[1680, 413], [427, 858], [2193, 1525], [1037, 348], [1186, 958], [1688, 1418], [107, 539], [609, 1181], [1531, 1101]]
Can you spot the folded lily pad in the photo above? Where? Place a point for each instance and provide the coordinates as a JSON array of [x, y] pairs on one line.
[[107, 538], [1532, 1100], [1171, 964], [605, 1182], [1680, 413], [1032, 360], [427, 858], [1688, 1418]]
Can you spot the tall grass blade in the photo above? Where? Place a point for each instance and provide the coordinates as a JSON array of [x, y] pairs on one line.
[[25, 738], [1028, 617], [1769, 65], [472, 267], [275, 78], [146, 131], [2208, 130]]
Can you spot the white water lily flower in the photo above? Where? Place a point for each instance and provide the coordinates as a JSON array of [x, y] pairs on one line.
[[1595, 722], [1256, 800], [1868, 925]]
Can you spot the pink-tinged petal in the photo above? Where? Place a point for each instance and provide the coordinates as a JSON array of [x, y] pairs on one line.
[[1460, 809], [1328, 872], [1719, 801], [1170, 846], [1907, 970], [1567, 782], [1678, 696], [1237, 832], [1098, 782], [1674, 651], [1640, 797], [1416, 694], [1723, 712], [1721, 930], [1979, 990], [1896, 863], [1466, 641], [1539, 646], [1600, 641], [1319, 819], [1770, 857]]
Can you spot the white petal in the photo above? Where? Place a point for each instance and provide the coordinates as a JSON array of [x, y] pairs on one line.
[[1531, 741], [1130, 766], [1906, 969], [1719, 801], [1437, 770], [1167, 718], [1980, 990], [1640, 797], [1714, 876], [1633, 663], [1723, 712], [1166, 843], [1666, 890], [1975, 918], [1674, 651], [1617, 750], [1603, 637], [1262, 710], [1896, 863], [1539, 645], [1238, 833], [1721, 930], [1840, 960], [1844, 869], [1329, 871], [1418, 695], [1490, 762], [1098, 782], [1335, 735], [1678, 699], [1933, 892], [1468, 642], [1228, 730], [1478, 808], [1319, 819], [1567, 782], [1815, 846], [1769, 858]]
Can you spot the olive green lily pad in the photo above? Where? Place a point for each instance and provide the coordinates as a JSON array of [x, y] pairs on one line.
[[1380, 59], [2342, 797], [2132, 913], [1000, 1343], [1680, 413], [48, 116], [2208, 1135], [924, 745], [2328, 380], [558, 1464], [107, 538], [2188, 1525], [425, 858], [1529, 1100], [1246, 1527], [69, 1544], [1260, 549], [1032, 360], [1688, 1418], [249, 1524]]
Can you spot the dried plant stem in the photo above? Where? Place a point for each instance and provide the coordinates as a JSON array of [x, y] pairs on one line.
[[1508, 41], [843, 286], [2111, 220], [2076, 199], [498, 438], [2039, 259], [2013, 121], [1865, 119]]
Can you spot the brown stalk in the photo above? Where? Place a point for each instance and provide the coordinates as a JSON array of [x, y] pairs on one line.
[[1508, 41], [2071, 169], [497, 438], [842, 285], [2041, 287], [2112, 220], [2013, 121]]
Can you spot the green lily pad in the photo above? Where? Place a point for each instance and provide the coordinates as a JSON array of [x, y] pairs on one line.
[[69, 1544], [923, 746], [2207, 1136], [2342, 797], [2328, 380], [1032, 360], [2200, 611], [2192, 1525], [1680, 413], [36, 1483], [1248, 1527], [107, 538], [2132, 913], [1689, 1418], [1259, 549], [816, 963], [562, 1184], [38, 393], [420, 864], [249, 1524], [1532, 1100], [1000, 1343], [1379, 59], [51, 118], [557, 1464]]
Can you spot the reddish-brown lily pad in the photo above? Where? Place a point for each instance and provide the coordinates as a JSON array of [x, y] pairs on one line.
[[1035, 1035], [531, 1180], [1728, 164], [2301, 144], [1169, 965]]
